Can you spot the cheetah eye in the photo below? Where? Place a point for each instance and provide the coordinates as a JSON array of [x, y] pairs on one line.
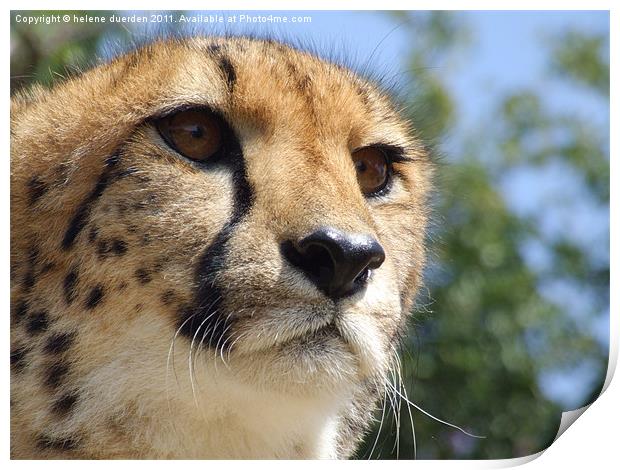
[[373, 169], [194, 133]]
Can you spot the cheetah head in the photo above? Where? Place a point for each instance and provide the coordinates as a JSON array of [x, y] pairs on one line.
[[213, 218]]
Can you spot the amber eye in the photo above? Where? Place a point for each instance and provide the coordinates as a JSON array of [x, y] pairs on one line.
[[195, 133], [373, 170]]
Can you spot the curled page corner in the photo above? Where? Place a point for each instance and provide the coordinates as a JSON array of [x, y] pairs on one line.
[[518, 461], [568, 418]]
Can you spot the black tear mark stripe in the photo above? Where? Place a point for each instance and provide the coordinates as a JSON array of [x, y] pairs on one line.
[[206, 319], [80, 218]]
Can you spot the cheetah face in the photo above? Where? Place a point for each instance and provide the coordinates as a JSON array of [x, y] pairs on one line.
[[239, 200]]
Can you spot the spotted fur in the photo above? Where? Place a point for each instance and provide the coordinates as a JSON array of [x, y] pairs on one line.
[[153, 314]]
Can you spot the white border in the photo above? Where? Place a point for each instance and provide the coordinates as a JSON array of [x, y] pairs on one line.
[[591, 442]]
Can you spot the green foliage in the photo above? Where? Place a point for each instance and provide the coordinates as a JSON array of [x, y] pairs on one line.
[[525, 119], [584, 58]]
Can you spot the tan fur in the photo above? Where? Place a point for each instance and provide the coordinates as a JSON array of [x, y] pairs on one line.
[[282, 391]]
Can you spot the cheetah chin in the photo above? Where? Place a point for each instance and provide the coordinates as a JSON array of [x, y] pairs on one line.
[[215, 246]]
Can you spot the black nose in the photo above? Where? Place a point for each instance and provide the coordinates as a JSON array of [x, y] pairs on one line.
[[338, 263]]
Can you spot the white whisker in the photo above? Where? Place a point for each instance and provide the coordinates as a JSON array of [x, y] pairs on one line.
[[222, 335], [380, 423], [168, 362], [437, 419], [191, 350], [404, 389]]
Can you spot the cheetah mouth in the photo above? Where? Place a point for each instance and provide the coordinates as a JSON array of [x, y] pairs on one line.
[[311, 333], [354, 342], [329, 331], [280, 331]]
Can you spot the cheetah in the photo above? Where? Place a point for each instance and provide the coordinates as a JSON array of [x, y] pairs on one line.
[[215, 246]]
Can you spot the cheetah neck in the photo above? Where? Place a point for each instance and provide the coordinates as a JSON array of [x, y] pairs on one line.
[[235, 422]]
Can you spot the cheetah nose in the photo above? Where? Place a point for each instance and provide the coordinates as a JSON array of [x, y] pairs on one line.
[[338, 263]]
